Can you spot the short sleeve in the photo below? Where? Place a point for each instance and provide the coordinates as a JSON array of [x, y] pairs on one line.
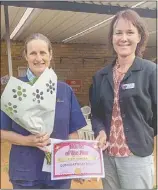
[[6, 122], [77, 119]]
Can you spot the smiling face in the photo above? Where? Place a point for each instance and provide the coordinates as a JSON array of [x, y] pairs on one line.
[[38, 56], [125, 38]]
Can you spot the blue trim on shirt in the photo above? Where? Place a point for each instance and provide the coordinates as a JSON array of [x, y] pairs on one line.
[[30, 75]]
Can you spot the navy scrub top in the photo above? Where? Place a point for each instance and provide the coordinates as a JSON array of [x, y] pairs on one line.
[[25, 163]]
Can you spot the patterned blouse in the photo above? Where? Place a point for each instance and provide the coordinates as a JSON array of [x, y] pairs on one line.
[[117, 141]]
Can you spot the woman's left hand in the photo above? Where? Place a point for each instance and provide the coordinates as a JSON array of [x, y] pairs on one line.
[[44, 142]]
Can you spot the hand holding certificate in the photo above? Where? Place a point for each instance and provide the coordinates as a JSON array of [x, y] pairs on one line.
[[76, 159]]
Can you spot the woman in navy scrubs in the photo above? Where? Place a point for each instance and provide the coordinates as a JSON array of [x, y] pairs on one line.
[[26, 159]]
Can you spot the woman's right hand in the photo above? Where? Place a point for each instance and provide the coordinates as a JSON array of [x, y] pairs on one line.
[[39, 140], [102, 140]]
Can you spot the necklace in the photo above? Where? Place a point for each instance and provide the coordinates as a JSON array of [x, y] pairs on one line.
[[117, 74], [118, 66], [121, 72]]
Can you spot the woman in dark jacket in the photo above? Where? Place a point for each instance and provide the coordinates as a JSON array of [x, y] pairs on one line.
[[124, 106]]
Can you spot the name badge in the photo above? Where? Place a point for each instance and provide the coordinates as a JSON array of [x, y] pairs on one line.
[[128, 86], [59, 100]]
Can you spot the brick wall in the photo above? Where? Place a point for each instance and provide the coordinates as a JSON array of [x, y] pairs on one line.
[[71, 61]]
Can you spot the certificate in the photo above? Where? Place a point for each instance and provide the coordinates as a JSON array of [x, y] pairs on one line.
[[76, 159]]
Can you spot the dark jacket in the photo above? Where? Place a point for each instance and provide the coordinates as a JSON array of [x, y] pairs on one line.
[[138, 104]]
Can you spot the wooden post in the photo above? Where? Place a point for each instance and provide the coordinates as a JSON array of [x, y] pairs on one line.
[[7, 35]]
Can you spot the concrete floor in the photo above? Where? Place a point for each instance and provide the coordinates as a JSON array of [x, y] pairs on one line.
[[5, 184]]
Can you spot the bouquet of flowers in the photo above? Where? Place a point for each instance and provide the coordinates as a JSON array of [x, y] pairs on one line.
[[32, 106]]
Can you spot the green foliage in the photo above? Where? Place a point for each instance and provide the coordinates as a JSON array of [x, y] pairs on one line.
[[33, 81], [155, 187], [48, 157]]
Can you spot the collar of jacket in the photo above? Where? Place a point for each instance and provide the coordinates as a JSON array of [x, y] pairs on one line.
[[136, 66]]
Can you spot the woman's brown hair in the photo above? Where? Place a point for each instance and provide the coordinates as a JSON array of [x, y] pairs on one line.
[[138, 22], [37, 36]]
